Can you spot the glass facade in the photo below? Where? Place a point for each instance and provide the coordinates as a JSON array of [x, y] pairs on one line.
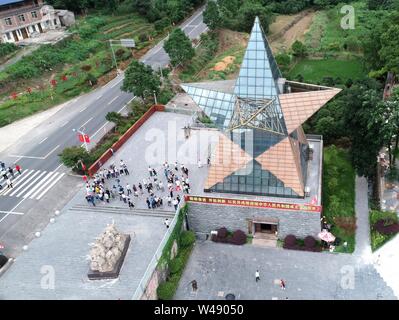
[[255, 121], [254, 180]]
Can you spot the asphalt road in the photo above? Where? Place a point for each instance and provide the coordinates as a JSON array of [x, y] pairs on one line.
[[37, 152]]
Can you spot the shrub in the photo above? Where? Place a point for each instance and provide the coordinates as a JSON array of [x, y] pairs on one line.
[[187, 238], [386, 226], [310, 242], [166, 290], [7, 48], [222, 233], [91, 79], [176, 265], [290, 241], [238, 238]]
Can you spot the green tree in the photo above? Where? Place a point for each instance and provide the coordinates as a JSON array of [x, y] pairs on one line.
[[247, 14], [114, 117], [389, 52], [71, 157], [141, 80], [299, 49], [179, 48], [212, 16], [283, 59]]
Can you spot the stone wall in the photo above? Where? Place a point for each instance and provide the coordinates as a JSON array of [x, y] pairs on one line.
[[203, 218]]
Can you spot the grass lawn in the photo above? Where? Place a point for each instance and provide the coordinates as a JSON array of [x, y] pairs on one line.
[[339, 196], [313, 71], [378, 239]]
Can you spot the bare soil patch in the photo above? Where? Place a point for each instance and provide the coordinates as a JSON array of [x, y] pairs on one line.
[[287, 29]]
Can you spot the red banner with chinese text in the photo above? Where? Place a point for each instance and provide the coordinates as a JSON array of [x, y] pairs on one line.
[[254, 203]]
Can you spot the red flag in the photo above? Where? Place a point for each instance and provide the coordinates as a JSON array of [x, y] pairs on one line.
[[83, 166], [14, 95], [81, 138], [87, 138], [85, 178]]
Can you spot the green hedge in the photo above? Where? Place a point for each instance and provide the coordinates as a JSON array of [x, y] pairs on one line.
[[185, 241]]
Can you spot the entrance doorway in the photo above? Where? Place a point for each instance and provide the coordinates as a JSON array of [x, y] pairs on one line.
[[14, 33], [265, 228], [264, 231]]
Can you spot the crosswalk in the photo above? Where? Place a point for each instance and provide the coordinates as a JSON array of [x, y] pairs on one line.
[[32, 184]]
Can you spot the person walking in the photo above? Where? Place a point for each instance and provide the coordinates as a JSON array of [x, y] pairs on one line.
[[257, 276], [11, 171], [175, 204], [9, 183], [150, 171], [169, 200], [131, 204], [199, 163], [166, 223], [141, 188], [128, 189], [148, 203], [106, 197], [194, 285], [18, 168], [282, 284]]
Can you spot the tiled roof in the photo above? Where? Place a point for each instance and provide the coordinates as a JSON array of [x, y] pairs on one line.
[[283, 161], [228, 158], [298, 107]]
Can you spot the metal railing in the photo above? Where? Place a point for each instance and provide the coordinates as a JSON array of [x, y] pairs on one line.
[[155, 259]]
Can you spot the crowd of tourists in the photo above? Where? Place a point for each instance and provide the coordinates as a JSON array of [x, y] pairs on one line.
[[161, 188]]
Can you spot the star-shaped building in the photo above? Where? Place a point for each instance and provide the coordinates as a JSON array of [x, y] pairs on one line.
[[263, 149]]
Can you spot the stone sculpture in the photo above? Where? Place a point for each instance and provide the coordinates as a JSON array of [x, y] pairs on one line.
[[107, 250]]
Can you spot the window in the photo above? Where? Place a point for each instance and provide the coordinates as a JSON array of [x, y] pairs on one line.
[[21, 18], [8, 35], [34, 14], [8, 21]]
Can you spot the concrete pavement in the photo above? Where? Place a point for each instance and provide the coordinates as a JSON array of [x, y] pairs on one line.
[[36, 151]]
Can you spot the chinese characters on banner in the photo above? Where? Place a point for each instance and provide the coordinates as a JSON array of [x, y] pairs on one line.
[[255, 203]]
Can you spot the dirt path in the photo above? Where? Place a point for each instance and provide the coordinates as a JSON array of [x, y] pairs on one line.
[[289, 28]]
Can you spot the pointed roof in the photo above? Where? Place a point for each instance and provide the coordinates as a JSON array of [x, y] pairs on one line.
[[300, 106], [259, 71]]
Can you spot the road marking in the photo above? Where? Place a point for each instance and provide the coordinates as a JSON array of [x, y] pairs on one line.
[[64, 124], [40, 185], [50, 186], [86, 122], [83, 109], [51, 152], [126, 104], [18, 179], [58, 167], [43, 140], [10, 212], [99, 97], [28, 157], [114, 85], [95, 133], [30, 184], [17, 160], [19, 186], [112, 100]]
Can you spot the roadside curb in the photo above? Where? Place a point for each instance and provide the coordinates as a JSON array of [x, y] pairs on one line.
[[6, 266]]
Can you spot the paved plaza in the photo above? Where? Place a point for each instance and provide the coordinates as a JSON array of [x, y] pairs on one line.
[[63, 247], [221, 269]]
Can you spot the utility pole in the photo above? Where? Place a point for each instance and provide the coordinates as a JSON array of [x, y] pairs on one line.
[[113, 55]]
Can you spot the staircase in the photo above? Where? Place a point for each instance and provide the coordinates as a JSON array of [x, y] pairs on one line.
[[124, 210]]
